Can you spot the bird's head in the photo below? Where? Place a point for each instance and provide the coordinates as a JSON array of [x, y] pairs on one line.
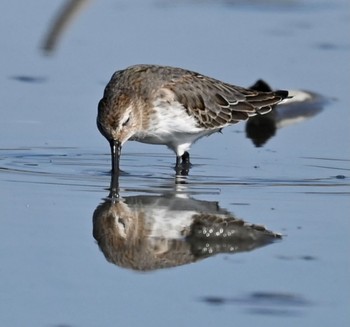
[[117, 122]]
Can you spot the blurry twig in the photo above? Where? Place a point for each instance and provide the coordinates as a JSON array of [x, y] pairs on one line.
[[61, 22]]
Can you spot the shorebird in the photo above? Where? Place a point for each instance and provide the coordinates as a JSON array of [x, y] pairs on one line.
[[174, 107]]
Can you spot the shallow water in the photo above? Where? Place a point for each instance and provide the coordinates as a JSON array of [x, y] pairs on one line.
[[54, 171]]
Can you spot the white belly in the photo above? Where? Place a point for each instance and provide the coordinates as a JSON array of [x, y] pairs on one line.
[[172, 126]]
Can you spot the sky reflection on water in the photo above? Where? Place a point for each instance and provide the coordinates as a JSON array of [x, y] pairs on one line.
[[54, 165]]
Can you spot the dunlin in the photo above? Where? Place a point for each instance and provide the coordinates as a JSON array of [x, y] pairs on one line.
[[173, 106]]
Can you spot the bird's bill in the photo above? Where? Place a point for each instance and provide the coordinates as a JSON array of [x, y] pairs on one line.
[[115, 153]]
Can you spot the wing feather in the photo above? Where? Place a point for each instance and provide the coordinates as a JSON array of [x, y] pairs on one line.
[[215, 104]]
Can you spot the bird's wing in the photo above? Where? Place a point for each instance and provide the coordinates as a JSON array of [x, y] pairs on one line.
[[215, 104]]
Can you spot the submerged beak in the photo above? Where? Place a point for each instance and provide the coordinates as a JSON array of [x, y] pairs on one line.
[[115, 152]]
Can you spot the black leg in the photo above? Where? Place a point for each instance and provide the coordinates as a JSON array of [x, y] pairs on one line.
[[183, 164], [178, 161], [186, 158]]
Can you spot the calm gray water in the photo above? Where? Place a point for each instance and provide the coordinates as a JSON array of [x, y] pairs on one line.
[[61, 262]]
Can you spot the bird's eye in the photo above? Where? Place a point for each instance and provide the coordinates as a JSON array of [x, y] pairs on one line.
[[126, 122], [121, 221]]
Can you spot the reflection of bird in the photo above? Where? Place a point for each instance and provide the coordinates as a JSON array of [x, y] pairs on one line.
[[300, 106], [173, 107], [153, 232]]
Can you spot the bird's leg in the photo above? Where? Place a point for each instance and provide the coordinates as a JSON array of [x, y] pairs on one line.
[[178, 161], [186, 158], [183, 164]]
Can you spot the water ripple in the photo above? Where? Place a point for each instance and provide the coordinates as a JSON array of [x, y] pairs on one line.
[[79, 167]]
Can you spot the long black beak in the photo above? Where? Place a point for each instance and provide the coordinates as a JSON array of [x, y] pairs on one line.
[[115, 154], [116, 149]]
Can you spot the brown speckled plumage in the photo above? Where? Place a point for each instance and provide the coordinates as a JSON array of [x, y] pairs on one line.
[[173, 106]]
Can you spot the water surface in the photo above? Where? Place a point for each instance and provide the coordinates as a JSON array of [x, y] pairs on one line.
[[54, 169]]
